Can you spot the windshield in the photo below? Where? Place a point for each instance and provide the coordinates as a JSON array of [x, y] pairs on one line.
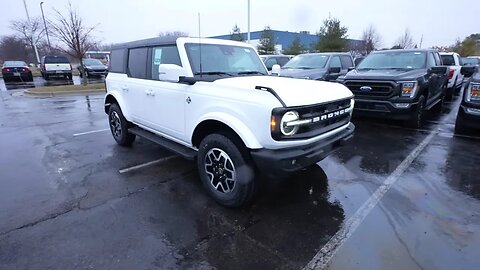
[[14, 64], [394, 60], [470, 61], [224, 59], [448, 60], [92, 62], [308, 61]]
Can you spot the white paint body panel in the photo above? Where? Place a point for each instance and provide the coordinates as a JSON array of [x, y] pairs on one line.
[[161, 107]]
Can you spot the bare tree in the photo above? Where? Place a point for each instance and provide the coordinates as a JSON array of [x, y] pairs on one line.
[[371, 39], [405, 41], [173, 34], [31, 31], [70, 30]]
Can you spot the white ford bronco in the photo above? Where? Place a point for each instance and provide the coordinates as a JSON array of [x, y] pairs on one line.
[[213, 101]]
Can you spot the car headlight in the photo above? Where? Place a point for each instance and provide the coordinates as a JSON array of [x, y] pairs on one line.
[[409, 89], [285, 128], [473, 92]]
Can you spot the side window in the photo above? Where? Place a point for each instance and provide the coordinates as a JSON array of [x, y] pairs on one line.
[[346, 62], [460, 61], [270, 62], [335, 62], [282, 60], [431, 60], [164, 55], [137, 63], [117, 61], [437, 59]]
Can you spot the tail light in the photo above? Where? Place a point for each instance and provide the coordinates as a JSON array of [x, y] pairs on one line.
[[43, 66], [5, 70], [450, 75]]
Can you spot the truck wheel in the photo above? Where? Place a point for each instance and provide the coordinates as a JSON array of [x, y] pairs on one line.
[[119, 126], [69, 76], [459, 126], [226, 172], [416, 120]]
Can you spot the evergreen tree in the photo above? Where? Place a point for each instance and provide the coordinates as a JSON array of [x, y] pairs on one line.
[[236, 34], [267, 43], [295, 48], [332, 36]]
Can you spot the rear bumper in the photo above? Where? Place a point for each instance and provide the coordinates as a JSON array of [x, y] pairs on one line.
[[281, 162], [384, 109], [470, 116], [11, 75], [57, 72]]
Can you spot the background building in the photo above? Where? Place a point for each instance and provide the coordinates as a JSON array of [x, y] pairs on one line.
[[283, 39]]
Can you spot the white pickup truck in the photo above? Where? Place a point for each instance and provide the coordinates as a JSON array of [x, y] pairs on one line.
[[212, 101], [455, 77]]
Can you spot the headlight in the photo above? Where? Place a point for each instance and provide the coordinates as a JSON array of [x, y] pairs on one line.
[[286, 129], [473, 92], [409, 89]]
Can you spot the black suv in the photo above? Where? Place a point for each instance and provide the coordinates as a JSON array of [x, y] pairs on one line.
[[398, 84], [318, 66], [469, 112]]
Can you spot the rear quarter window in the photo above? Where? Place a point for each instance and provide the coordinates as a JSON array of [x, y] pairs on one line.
[[448, 60], [137, 63], [117, 61]]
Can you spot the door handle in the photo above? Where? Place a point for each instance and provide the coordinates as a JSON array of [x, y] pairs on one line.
[[152, 93], [124, 88]]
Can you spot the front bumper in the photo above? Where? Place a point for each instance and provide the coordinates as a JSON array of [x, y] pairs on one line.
[[282, 162], [97, 72], [470, 116], [384, 109]]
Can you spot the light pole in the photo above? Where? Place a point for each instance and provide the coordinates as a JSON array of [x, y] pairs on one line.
[[45, 24], [248, 23], [33, 38]]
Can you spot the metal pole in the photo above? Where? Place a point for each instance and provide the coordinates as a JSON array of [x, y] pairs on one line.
[[33, 38], [45, 24], [248, 33]]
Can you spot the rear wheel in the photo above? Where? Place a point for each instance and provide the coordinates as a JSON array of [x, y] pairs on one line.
[[119, 126], [449, 93], [416, 119], [69, 77], [226, 170]]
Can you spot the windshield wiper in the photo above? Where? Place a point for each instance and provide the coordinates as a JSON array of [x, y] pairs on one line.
[[213, 73], [250, 72], [366, 69]]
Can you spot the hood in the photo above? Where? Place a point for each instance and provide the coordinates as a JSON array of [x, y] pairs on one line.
[[294, 92], [303, 73], [385, 74]]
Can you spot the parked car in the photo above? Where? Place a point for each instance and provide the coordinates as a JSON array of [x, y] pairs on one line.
[[468, 116], [16, 70], [55, 66], [318, 66], [398, 84], [358, 60], [223, 110], [93, 67], [270, 60], [471, 61], [455, 78]]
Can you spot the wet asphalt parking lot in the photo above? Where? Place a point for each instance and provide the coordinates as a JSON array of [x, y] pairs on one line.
[[70, 198]]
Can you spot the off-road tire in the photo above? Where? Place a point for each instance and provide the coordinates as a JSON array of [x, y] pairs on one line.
[[226, 170], [119, 126]]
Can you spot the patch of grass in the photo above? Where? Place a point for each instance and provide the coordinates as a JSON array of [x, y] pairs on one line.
[[67, 88]]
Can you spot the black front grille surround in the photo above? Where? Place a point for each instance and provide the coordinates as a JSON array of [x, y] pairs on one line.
[[315, 111], [374, 89]]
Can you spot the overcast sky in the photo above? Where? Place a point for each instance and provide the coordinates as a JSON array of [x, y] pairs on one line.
[[440, 22]]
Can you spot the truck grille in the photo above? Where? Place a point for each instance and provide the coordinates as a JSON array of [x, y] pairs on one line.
[[373, 89], [330, 116]]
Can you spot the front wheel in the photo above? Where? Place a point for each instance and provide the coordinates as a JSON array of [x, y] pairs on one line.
[[416, 119], [225, 170], [119, 126]]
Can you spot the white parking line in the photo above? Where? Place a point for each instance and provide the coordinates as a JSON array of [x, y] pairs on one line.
[[90, 132], [136, 167], [326, 253]]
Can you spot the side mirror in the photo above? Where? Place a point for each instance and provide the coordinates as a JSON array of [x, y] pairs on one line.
[[276, 69], [334, 70], [439, 70], [468, 71], [351, 68], [170, 72]]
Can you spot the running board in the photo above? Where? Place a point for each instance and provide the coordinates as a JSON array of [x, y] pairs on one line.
[[433, 104], [177, 148]]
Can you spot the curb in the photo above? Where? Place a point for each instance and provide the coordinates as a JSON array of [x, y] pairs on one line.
[[31, 92]]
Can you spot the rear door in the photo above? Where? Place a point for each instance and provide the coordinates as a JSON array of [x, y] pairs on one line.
[[135, 86], [334, 63], [435, 81]]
